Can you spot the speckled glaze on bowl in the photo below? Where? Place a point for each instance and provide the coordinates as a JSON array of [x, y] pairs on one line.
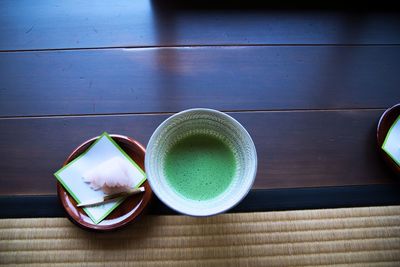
[[211, 122]]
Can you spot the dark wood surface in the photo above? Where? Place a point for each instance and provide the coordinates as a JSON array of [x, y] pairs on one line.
[[295, 149], [45, 24], [173, 79], [309, 84]]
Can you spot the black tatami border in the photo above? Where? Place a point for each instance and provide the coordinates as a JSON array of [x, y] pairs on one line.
[[257, 200]]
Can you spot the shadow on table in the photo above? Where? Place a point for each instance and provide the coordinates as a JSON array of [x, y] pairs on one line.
[[179, 23]]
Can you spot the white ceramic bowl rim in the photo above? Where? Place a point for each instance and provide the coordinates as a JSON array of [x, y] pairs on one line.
[[216, 207]]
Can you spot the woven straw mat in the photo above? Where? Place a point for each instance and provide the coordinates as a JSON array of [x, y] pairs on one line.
[[342, 237]]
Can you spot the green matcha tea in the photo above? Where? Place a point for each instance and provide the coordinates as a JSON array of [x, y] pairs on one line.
[[200, 167]]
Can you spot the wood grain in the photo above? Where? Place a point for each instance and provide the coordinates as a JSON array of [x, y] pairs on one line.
[[295, 149], [173, 79], [47, 24]]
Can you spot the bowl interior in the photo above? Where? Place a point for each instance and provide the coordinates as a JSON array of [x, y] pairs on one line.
[[212, 123]]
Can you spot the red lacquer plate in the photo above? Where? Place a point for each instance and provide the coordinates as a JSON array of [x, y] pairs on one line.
[[127, 211], [385, 122]]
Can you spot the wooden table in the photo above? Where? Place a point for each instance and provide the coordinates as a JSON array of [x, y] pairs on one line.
[[308, 84]]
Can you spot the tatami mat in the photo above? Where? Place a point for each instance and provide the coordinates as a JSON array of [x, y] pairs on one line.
[[344, 237]]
